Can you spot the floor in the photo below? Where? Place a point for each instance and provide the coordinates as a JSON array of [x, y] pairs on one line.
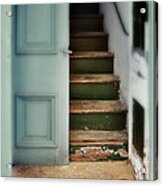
[[110, 170]]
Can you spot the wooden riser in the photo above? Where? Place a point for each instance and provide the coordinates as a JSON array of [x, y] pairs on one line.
[[98, 152], [102, 65], [98, 121], [91, 62], [84, 8], [94, 91], [89, 43], [86, 23]]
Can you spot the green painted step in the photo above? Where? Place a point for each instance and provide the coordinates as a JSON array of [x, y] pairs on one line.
[[91, 62], [89, 41], [86, 23], [98, 145], [97, 115], [84, 8], [94, 86]]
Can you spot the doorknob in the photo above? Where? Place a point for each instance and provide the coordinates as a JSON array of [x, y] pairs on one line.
[[66, 51], [9, 13]]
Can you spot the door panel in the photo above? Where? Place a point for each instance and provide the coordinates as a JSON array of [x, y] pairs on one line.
[[36, 121], [41, 84], [36, 29]]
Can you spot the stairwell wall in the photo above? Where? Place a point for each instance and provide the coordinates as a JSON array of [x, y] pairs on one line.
[[118, 42], [127, 65]]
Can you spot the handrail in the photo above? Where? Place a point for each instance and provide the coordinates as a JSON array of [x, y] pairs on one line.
[[120, 19]]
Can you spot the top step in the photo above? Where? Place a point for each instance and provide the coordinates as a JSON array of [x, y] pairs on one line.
[[84, 8], [86, 23], [88, 34], [87, 16]]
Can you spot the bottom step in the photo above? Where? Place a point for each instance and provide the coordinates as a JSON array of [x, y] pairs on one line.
[[96, 146], [98, 152]]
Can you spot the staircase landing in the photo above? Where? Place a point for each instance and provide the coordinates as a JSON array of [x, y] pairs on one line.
[[110, 170]]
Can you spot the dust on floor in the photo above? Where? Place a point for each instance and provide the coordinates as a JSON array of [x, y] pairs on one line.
[[110, 170]]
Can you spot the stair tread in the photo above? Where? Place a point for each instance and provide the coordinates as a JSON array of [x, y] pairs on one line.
[[96, 106], [88, 34], [91, 54], [97, 136], [87, 16], [98, 143], [93, 78]]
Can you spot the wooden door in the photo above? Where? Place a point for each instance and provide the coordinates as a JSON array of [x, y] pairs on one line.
[[40, 84]]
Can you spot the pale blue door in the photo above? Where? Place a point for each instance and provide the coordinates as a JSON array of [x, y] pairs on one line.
[[40, 84]]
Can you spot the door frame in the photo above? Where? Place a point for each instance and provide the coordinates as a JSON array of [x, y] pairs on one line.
[[146, 169], [6, 90]]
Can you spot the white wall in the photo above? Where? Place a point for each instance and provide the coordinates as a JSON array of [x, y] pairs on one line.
[[118, 42], [128, 65]]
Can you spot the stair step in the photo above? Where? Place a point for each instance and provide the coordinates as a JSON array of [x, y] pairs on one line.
[[89, 41], [94, 86], [97, 115], [84, 8], [86, 23], [91, 62], [86, 16], [91, 54], [81, 136], [98, 152], [93, 78], [97, 106], [98, 145]]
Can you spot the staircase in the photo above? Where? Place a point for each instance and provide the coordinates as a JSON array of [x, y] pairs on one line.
[[97, 116]]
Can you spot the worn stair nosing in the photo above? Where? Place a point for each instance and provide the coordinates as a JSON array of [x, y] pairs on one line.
[[93, 78], [97, 135], [91, 54], [97, 143], [88, 34], [96, 106]]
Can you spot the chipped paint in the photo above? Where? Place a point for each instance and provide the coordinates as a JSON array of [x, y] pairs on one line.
[[137, 163], [96, 153], [139, 92]]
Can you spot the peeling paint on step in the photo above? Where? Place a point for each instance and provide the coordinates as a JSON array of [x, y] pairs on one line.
[[98, 153]]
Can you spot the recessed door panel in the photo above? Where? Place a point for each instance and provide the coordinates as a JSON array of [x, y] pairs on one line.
[[36, 29]]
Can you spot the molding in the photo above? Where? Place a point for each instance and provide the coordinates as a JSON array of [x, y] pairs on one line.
[[27, 140], [26, 46]]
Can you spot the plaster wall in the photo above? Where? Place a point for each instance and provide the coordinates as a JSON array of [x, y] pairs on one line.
[[118, 42]]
